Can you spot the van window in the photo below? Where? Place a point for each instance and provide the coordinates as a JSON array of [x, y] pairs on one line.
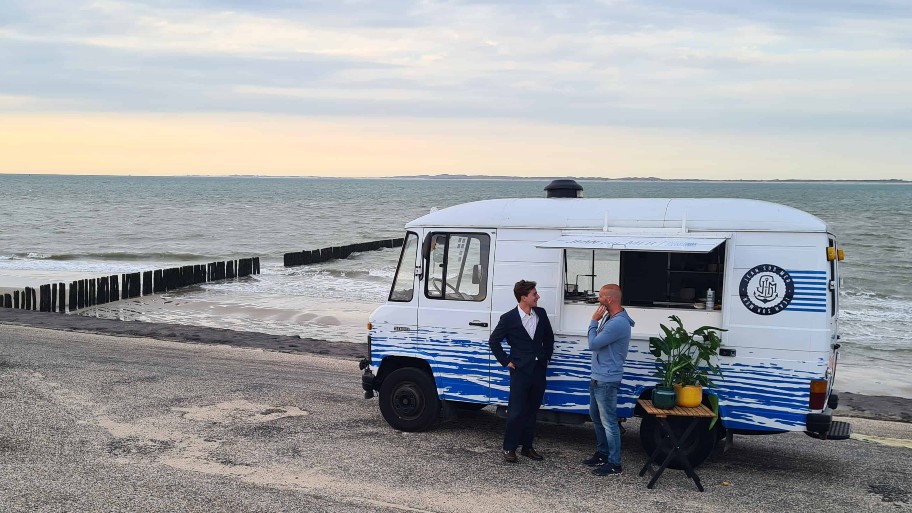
[[458, 266], [586, 270], [404, 282], [671, 279]]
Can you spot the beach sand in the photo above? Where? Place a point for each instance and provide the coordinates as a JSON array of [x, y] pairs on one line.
[[873, 406], [183, 333]]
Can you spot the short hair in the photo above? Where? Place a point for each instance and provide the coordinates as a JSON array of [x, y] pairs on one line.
[[613, 290], [522, 288]]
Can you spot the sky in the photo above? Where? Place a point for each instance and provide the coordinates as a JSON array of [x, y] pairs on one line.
[[703, 89]]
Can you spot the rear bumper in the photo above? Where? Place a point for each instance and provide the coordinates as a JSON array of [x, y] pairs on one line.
[[819, 422], [822, 426]]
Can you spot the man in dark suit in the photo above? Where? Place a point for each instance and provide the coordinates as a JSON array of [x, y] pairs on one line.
[[527, 330]]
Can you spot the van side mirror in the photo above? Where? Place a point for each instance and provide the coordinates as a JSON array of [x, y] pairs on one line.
[[477, 274]]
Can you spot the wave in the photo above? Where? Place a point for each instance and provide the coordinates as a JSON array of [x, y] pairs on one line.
[[119, 256]]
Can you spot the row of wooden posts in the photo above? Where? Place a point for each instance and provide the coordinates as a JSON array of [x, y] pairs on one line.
[[314, 256], [97, 291]]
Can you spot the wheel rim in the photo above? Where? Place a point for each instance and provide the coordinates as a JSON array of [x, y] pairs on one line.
[[408, 401]]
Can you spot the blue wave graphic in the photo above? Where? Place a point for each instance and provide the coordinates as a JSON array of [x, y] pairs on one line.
[[765, 396]]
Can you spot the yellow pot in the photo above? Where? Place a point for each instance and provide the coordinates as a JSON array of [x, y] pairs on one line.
[[689, 396]]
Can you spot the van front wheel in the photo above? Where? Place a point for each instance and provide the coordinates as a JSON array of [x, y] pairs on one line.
[[696, 450], [408, 400]]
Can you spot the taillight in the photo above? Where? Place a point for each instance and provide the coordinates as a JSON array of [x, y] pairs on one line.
[[818, 394]]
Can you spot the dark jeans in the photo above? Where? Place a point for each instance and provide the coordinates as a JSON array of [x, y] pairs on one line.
[[526, 393]]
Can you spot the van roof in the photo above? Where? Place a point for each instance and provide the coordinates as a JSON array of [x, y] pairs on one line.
[[702, 214]]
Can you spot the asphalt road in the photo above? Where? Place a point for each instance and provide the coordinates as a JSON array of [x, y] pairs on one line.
[[100, 423]]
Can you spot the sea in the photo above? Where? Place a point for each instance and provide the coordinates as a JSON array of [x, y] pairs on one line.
[[60, 228]]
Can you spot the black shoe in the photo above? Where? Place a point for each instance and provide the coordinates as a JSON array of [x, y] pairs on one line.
[[596, 460], [608, 470], [509, 456], [530, 453]]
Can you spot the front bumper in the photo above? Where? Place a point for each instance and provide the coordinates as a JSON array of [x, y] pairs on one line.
[[368, 380]]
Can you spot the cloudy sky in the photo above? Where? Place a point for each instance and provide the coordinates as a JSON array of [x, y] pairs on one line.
[[702, 89]]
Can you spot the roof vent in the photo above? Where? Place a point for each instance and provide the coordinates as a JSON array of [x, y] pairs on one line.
[[564, 189]]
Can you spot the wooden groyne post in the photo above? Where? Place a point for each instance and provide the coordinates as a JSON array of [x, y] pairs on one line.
[[315, 256], [107, 289]]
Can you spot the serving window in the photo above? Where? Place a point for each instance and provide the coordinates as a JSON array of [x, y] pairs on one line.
[[672, 279], [649, 279], [586, 270]]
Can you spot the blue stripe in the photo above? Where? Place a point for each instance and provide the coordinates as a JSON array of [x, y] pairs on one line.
[[805, 272], [811, 289], [811, 294], [804, 309]]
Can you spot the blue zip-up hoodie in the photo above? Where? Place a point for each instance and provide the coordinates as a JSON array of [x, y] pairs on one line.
[[609, 347]]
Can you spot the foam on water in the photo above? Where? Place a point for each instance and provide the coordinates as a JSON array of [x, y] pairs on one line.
[[329, 301]]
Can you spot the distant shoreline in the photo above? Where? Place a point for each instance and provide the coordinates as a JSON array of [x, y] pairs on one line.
[[445, 176]]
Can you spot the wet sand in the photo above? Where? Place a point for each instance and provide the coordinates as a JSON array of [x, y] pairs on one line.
[[182, 333], [880, 407]]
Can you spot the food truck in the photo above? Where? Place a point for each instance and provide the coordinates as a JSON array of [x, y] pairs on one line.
[[767, 274]]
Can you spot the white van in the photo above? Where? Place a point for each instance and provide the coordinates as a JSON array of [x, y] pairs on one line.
[[770, 271]]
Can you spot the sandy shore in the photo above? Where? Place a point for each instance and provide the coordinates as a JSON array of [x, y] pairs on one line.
[[881, 407], [182, 333]]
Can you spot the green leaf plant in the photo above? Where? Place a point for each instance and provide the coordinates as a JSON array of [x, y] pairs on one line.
[[684, 357]]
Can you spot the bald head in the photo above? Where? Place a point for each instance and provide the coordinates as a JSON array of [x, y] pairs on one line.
[[610, 297]]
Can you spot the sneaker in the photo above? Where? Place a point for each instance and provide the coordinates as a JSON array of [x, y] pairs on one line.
[[509, 456], [596, 460], [608, 470]]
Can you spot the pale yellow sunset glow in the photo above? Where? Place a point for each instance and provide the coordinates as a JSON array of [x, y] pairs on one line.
[[283, 145]]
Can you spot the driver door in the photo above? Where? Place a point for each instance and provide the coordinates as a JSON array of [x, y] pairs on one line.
[[454, 311]]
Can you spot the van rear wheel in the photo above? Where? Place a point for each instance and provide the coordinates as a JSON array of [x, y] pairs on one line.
[[698, 448], [408, 400]]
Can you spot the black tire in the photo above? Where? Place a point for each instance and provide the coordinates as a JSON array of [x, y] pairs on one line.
[[468, 406], [699, 447], [408, 400]]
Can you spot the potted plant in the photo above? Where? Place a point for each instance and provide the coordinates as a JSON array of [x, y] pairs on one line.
[[683, 361]]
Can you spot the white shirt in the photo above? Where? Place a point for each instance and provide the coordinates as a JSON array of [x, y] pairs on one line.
[[529, 321]]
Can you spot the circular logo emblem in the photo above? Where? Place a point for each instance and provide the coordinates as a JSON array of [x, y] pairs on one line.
[[766, 289]]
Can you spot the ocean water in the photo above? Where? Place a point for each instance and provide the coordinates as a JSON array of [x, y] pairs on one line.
[[64, 226]]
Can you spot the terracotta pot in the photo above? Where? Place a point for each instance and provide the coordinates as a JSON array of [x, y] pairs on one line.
[[689, 396], [663, 398]]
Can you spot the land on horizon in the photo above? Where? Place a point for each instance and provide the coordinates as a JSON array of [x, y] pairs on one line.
[[448, 176]]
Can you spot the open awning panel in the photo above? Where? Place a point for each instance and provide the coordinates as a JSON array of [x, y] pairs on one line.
[[636, 243]]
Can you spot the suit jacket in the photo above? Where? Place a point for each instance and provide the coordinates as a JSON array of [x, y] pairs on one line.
[[523, 348]]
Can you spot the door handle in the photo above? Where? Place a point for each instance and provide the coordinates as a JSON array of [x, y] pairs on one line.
[[478, 323]]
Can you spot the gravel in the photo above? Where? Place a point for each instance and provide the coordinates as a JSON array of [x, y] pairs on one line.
[[100, 423]]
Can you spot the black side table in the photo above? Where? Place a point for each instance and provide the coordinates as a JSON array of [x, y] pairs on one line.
[[671, 442]]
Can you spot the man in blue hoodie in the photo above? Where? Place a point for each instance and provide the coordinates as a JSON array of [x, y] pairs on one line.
[[609, 338]]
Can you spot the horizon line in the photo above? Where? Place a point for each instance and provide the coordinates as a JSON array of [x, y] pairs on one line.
[[448, 176]]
